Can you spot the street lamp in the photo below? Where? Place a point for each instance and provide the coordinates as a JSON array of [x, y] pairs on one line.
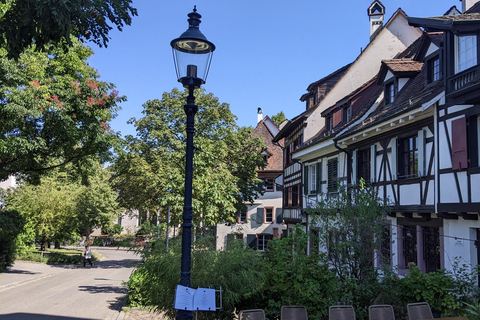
[[192, 54]]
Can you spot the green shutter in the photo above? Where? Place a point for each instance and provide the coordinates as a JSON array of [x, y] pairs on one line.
[[319, 177]]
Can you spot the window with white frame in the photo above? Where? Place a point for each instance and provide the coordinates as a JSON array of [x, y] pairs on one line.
[[262, 241], [466, 52], [389, 92], [268, 215], [312, 178]]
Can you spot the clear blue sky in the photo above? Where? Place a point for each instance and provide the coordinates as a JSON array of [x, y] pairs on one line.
[[267, 52]]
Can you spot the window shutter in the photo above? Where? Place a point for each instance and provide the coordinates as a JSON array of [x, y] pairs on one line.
[[459, 144], [394, 158], [354, 167], [305, 179], [279, 215], [229, 240], [319, 177], [259, 217], [373, 163], [260, 185], [421, 153], [252, 241]]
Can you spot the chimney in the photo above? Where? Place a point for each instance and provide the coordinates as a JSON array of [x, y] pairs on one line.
[[467, 4], [376, 13], [259, 115]]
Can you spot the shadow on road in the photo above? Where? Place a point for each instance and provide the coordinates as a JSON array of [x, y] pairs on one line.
[[16, 271], [106, 264], [115, 304], [28, 316]]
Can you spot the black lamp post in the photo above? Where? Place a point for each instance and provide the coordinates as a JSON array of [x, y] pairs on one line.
[[192, 54]]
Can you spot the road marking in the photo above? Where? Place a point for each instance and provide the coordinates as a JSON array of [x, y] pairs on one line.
[[19, 283]]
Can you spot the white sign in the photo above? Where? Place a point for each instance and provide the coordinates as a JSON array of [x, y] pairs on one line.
[[201, 299]]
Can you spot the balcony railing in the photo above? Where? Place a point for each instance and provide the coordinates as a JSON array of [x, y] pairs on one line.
[[463, 80], [292, 215]]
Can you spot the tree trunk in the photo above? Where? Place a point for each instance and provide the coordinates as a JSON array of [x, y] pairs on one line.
[[57, 244]]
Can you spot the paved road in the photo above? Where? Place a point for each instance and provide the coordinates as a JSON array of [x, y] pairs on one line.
[[38, 291]]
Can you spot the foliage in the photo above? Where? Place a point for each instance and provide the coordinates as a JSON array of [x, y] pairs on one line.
[[350, 224], [279, 118], [61, 207], [97, 202], [472, 310], [150, 174], [145, 229], [236, 271], [295, 278], [11, 224], [53, 110], [23, 22], [112, 229], [441, 289], [55, 256], [48, 207]]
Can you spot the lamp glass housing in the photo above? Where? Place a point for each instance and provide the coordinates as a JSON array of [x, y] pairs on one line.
[[190, 52]]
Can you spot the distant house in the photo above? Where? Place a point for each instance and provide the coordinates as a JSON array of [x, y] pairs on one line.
[[262, 221]]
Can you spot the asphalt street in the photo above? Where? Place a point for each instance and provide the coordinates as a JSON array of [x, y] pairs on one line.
[[38, 291]]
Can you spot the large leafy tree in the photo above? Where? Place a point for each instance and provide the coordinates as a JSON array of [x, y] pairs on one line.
[[23, 22], [53, 110], [48, 208], [150, 174], [65, 203]]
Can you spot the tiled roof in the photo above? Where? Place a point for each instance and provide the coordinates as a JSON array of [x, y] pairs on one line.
[[459, 17], [403, 66], [273, 149], [413, 94]]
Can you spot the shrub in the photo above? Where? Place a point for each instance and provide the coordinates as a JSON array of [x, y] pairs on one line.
[[11, 224], [293, 278], [236, 271]]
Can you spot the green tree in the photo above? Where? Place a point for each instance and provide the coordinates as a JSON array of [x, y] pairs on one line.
[[150, 175], [279, 118], [53, 110], [96, 203], [24, 22], [11, 224], [48, 208], [352, 226]]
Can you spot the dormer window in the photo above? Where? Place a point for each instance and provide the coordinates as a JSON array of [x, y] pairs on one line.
[[433, 69], [466, 52], [389, 92], [329, 123], [346, 114]]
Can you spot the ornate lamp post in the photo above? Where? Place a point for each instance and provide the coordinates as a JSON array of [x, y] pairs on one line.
[[192, 54]]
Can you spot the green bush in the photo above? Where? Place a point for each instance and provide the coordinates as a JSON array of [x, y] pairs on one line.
[[11, 224], [293, 278], [437, 288], [236, 271], [62, 256]]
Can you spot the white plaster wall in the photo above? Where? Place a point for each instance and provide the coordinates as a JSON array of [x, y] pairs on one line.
[[394, 38], [459, 242], [401, 83], [410, 194], [447, 182], [431, 49], [11, 182], [430, 193], [444, 154], [475, 182]]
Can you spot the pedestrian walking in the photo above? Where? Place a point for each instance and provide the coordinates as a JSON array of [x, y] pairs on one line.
[[88, 256]]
